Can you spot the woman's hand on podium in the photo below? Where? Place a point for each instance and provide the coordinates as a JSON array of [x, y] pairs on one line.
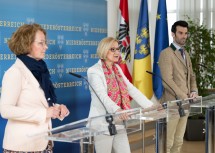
[[154, 107], [64, 112], [57, 111], [123, 116], [53, 112]]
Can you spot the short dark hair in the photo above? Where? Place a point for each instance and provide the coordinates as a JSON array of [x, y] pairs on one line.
[[179, 23]]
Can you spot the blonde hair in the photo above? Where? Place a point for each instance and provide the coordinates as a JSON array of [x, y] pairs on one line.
[[21, 40], [104, 45]]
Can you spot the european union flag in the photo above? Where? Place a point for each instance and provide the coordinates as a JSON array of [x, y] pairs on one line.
[[142, 55], [161, 42]]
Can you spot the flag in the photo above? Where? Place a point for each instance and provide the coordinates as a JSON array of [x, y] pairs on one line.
[[124, 39], [161, 42], [142, 55]]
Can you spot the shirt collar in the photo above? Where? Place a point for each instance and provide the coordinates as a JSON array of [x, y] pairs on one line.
[[176, 45]]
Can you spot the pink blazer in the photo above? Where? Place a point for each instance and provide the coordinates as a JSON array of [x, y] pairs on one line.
[[23, 103]]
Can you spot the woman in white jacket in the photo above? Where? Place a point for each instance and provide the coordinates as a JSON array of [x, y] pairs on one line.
[[28, 97], [112, 91]]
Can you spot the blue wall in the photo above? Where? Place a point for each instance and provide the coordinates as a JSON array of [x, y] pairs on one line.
[[74, 29]]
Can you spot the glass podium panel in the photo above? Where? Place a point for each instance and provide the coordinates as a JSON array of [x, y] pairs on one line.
[[196, 106], [153, 113], [207, 102], [84, 130], [71, 132], [173, 109], [112, 124], [155, 138], [189, 106]]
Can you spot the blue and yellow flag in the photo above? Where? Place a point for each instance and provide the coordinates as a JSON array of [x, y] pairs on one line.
[[161, 42], [142, 55]]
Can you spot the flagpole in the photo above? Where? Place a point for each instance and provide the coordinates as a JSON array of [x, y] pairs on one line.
[[112, 16]]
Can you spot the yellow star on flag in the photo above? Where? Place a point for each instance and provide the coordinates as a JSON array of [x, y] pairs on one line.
[[158, 16]]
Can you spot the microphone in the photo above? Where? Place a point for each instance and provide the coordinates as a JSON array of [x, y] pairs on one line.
[[109, 118], [77, 75], [180, 108], [206, 67]]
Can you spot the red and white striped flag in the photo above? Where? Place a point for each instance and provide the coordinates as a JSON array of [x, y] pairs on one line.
[[124, 39]]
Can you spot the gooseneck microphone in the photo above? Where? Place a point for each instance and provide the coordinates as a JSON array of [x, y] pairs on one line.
[[80, 76], [176, 97], [77, 75], [180, 108], [109, 118], [206, 67]]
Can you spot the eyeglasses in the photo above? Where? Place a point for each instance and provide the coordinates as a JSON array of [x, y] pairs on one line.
[[42, 43], [114, 49]]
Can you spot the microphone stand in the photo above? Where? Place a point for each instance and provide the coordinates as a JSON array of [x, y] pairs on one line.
[[179, 104], [206, 67], [108, 117]]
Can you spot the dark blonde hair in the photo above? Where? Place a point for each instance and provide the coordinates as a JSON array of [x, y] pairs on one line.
[[104, 45], [21, 40]]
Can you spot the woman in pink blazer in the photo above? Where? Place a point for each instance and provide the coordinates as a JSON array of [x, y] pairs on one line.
[[28, 97]]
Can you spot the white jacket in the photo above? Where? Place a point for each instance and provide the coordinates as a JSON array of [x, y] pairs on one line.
[[24, 104], [97, 80]]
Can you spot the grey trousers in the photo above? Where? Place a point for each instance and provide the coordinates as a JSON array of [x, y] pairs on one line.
[[112, 144]]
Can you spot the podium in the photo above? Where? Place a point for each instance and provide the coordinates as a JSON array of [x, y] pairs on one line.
[[84, 130], [171, 110], [209, 105], [76, 132]]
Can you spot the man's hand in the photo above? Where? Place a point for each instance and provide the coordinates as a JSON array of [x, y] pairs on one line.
[[193, 95]]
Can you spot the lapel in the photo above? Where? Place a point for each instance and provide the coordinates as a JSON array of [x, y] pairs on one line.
[[33, 81], [177, 53], [187, 61], [102, 73]]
